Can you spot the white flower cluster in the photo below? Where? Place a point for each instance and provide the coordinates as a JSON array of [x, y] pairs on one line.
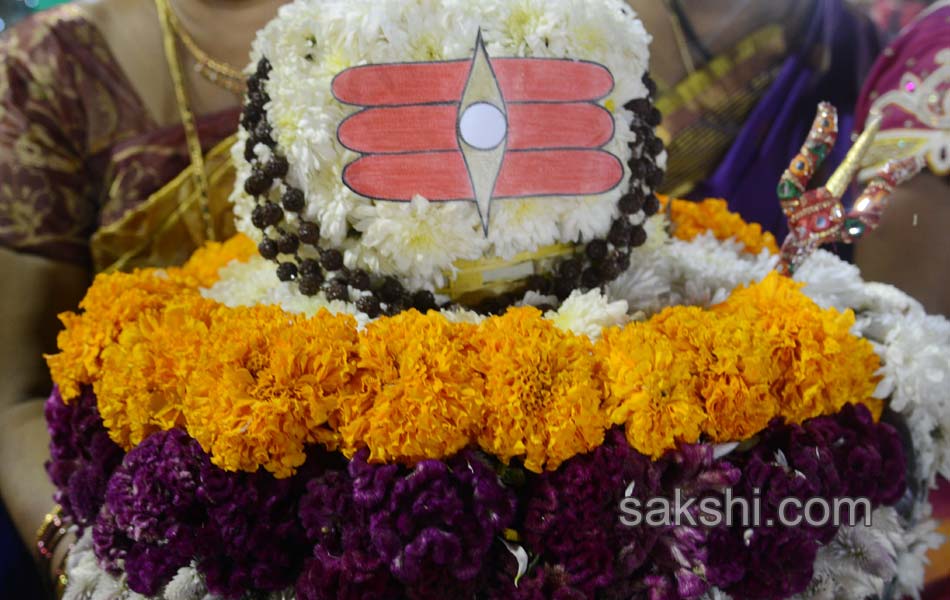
[[885, 560], [89, 581], [311, 41]]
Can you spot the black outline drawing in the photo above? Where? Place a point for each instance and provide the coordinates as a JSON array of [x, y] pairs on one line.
[[479, 46]]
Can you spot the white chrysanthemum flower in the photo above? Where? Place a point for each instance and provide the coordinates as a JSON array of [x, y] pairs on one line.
[[83, 569], [862, 562], [536, 299], [460, 315], [830, 281], [657, 235], [916, 365], [255, 282], [909, 543], [885, 298], [588, 314], [187, 584], [425, 240], [706, 270], [534, 222], [645, 285]]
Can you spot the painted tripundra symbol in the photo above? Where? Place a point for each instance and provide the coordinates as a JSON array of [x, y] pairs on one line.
[[478, 130]]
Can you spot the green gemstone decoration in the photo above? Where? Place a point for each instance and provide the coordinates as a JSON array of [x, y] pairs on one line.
[[854, 227], [821, 151], [788, 190]]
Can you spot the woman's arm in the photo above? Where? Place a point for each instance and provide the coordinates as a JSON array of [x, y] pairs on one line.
[[33, 292], [911, 249]]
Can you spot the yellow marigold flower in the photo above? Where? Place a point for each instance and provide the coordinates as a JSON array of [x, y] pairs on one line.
[[542, 391], [652, 386], [821, 365], [691, 219], [767, 351], [417, 395], [113, 301], [202, 268], [145, 372], [733, 374], [267, 384]]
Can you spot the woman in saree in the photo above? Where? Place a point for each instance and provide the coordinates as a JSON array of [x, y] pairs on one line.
[[114, 119], [114, 124]]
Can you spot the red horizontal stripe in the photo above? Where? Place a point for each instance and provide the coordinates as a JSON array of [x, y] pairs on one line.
[[401, 129], [520, 79], [425, 128], [444, 177], [558, 173], [576, 125], [436, 176]]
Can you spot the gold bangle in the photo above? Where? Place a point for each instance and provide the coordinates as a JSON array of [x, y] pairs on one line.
[[48, 537]]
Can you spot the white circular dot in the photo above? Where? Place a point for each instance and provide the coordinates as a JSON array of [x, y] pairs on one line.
[[483, 126]]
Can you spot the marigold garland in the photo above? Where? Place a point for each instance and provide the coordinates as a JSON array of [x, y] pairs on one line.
[[145, 371], [767, 351], [267, 385], [415, 386], [690, 219], [117, 299]]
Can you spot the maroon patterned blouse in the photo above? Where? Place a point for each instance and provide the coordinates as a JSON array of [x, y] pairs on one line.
[[77, 147]]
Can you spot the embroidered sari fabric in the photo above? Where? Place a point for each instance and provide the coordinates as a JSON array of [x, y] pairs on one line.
[[909, 87], [84, 170]]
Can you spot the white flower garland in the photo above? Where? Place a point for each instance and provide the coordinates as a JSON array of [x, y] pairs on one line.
[[311, 41]]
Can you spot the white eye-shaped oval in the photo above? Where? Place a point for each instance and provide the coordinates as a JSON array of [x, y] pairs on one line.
[[483, 126]]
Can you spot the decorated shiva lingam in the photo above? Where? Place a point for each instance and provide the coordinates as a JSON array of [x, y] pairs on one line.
[[818, 217]]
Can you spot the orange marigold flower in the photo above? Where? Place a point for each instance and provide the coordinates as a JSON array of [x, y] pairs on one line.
[[652, 386], [417, 395], [767, 351], [733, 375], [112, 302], [267, 384], [691, 219], [542, 391], [146, 371], [202, 268], [821, 365]]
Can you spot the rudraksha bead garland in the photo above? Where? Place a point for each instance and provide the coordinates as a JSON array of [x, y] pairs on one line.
[[293, 242]]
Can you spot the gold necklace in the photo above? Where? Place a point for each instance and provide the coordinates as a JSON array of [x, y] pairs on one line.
[[217, 72]]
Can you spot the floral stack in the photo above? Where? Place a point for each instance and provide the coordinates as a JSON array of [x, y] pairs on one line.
[[426, 371]]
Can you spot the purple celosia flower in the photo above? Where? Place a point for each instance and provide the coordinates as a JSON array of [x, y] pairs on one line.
[[677, 562], [344, 565], [436, 524], [252, 539], [82, 456], [572, 518], [377, 528], [152, 516], [869, 456], [827, 458]]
